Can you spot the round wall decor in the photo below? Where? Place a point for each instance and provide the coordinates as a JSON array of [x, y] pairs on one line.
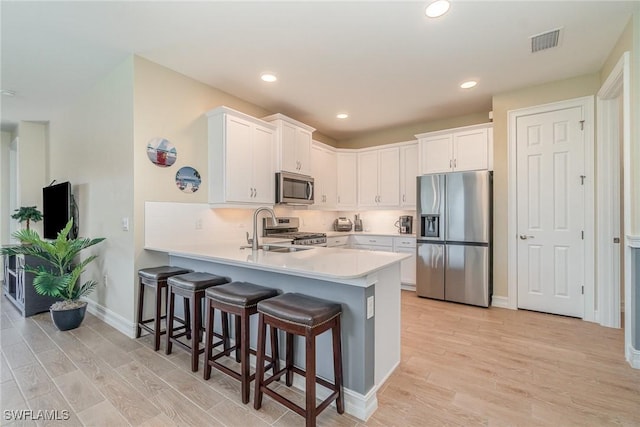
[[188, 179], [161, 152]]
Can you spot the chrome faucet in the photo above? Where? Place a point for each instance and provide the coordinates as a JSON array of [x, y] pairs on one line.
[[254, 241]]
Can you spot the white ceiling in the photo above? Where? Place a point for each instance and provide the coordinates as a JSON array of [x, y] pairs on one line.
[[383, 62]]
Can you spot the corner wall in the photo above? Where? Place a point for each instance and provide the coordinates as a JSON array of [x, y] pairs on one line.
[[91, 146], [587, 85]]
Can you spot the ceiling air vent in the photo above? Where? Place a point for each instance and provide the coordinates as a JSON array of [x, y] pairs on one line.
[[545, 40]]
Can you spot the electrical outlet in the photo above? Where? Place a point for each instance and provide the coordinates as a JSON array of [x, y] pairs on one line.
[[370, 307], [199, 224], [105, 280], [125, 224]]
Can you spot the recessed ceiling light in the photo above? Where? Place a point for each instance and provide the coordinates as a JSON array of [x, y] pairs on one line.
[[268, 77], [342, 116], [8, 92], [437, 8], [469, 84]]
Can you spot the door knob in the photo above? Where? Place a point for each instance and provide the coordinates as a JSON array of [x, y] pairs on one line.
[[525, 237]]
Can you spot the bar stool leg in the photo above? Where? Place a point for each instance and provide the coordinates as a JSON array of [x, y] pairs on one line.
[[140, 305], [262, 330], [310, 377], [337, 365], [208, 352], [158, 315], [289, 352], [244, 355], [195, 331], [171, 297], [275, 351], [238, 338]]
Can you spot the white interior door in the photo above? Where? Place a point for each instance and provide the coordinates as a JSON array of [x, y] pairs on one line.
[[550, 212]]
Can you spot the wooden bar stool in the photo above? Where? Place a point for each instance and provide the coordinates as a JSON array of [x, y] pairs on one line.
[[239, 299], [298, 314], [156, 278], [191, 287]]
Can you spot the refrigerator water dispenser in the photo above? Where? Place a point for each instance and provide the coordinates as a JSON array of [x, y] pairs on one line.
[[430, 226]]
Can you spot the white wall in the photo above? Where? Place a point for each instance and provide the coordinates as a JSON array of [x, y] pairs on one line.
[[32, 166], [5, 141], [91, 146]]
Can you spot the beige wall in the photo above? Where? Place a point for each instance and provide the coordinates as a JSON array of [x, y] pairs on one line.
[[408, 132], [502, 104], [91, 146], [32, 165]]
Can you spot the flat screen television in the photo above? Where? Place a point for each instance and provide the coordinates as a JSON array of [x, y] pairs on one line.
[[58, 207]]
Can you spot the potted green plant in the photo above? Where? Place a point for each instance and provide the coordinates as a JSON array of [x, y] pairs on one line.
[[60, 278], [27, 213]]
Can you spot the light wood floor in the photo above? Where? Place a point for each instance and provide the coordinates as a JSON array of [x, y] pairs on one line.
[[460, 366]]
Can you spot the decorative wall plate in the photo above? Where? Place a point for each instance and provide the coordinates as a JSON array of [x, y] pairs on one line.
[[161, 152], [188, 179]]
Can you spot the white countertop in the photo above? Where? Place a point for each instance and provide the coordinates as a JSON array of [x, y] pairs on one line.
[[332, 264]]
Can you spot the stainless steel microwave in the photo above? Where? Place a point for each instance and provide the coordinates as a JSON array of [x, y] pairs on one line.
[[294, 189]]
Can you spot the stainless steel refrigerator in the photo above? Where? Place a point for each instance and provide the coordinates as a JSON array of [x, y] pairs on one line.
[[454, 250]]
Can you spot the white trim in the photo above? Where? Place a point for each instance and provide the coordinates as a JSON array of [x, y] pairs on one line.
[[112, 319], [633, 357], [587, 105], [408, 287], [609, 115], [500, 302], [633, 241], [358, 405]]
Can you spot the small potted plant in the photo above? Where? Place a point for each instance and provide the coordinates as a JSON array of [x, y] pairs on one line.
[[60, 278], [27, 213]]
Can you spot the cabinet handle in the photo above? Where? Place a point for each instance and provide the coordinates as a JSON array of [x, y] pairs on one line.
[[450, 163], [404, 197], [338, 199], [455, 163]]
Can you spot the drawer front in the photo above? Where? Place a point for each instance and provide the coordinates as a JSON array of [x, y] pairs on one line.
[[337, 241], [404, 242], [373, 240]]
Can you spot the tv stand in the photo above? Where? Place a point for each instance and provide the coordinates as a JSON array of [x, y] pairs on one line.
[[18, 285]]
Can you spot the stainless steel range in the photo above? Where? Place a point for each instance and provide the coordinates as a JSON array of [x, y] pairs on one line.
[[287, 227]]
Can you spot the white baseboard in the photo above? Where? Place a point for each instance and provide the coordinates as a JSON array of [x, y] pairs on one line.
[[633, 357], [407, 287], [112, 319], [498, 301], [355, 404]]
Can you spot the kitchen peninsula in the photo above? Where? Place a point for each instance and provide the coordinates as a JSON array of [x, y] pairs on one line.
[[366, 283]]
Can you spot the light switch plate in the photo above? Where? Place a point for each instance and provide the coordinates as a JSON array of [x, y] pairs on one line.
[[370, 305], [125, 224]]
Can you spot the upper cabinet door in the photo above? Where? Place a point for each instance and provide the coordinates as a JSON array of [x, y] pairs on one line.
[[408, 175], [470, 150], [347, 180], [293, 144], [389, 177], [436, 154], [461, 149], [368, 179], [241, 159]]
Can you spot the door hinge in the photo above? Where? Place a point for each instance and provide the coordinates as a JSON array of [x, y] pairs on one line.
[[582, 233], [582, 177], [581, 124], [582, 289]]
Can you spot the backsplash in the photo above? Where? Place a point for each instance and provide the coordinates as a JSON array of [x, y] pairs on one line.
[[198, 223]]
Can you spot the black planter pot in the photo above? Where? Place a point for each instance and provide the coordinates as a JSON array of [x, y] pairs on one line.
[[66, 320]]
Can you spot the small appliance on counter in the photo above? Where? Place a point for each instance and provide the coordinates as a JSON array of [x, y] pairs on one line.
[[342, 224], [357, 223], [405, 224]]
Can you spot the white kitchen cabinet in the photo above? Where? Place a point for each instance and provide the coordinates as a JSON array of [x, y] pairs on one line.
[[323, 170], [293, 144], [337, 241], [460, 149], [371, 242], [408, 174], [379, 178], [347, 179], [241, 154], [407, 266]]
